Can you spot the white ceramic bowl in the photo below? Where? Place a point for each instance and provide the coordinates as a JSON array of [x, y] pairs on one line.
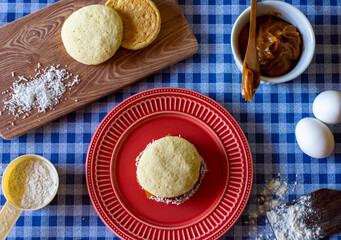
[[289, 14]]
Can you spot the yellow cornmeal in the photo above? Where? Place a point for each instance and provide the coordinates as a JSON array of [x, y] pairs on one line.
[[169, 167], [141, 22], [92, 34], [17, 181]]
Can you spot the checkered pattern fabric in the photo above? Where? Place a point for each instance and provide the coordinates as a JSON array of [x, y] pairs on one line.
[[268, 122]]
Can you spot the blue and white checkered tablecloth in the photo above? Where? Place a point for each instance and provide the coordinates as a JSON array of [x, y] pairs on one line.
[[268, 122]]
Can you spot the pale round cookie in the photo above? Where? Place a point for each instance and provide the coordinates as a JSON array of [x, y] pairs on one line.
[[169, 167], [141, 22], [92, 34]]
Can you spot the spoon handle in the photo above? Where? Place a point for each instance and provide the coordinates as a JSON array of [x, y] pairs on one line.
[[251, 75], [252, 30], [9, 215]]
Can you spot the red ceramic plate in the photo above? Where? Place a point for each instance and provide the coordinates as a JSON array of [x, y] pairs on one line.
[[125, 132]]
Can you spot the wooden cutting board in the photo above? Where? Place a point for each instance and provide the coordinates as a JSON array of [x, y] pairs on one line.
[[35, 39]]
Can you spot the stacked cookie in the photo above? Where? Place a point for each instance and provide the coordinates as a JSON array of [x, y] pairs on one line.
[[93, 34], [170, 170]]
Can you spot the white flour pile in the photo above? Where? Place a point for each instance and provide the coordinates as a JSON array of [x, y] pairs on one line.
[[32, 184], [41, 92], [272, 195], [288, 222]]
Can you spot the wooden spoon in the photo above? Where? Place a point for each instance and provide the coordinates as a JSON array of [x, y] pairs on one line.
[[322, 214], [250, 77]]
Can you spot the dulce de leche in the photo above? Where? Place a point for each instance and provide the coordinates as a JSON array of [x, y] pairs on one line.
[[278, 43]]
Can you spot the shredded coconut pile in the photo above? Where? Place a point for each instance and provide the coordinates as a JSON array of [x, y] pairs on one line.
[[41, 92], [288, 222]]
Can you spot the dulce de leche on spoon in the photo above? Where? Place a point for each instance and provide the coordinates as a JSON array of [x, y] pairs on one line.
[[251, 75]]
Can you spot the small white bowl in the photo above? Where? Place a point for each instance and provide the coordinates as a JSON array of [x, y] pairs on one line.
[[290, 14]]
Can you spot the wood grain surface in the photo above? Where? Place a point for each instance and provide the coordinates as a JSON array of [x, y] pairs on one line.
[[35, 39]]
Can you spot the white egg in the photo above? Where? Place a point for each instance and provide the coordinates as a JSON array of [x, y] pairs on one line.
[[314, 138], [327, 107]]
